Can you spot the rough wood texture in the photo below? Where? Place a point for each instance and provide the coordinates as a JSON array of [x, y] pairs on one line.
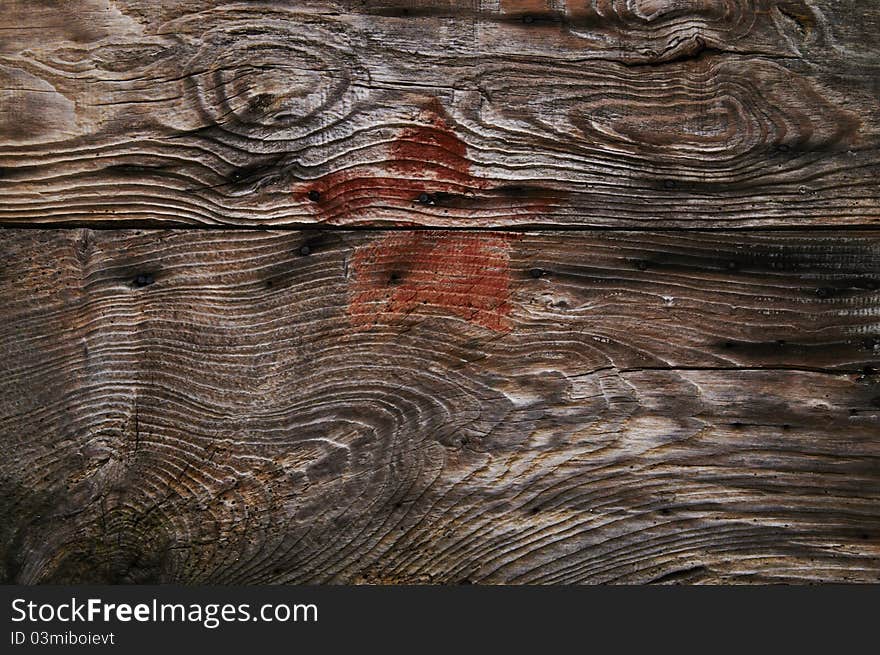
[[533, 401], [215, 406], [506, 112]]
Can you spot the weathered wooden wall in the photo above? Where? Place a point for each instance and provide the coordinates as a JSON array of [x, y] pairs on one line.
[[553, 292]]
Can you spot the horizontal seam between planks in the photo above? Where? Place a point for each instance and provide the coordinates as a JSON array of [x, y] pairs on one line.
[[526, 228]]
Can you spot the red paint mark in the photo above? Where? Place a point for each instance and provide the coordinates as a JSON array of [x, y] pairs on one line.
[[459, 274], [426, 158], [430, 154], [415, 274], [525, 6]]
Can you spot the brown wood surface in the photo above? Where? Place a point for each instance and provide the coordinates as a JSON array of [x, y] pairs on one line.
[[452, 406], [496, 291], [645, 113]]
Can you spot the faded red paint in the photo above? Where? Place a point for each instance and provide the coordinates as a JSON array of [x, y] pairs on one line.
[[411, 275], [526, 6], [425, 158], [431, 153], [459, 274]]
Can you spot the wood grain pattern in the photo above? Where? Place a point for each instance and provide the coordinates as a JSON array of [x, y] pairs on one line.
[[338, 406], [658, 113]]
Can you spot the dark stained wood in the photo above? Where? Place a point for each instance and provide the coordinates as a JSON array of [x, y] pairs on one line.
[[649, 113], [423, 406]]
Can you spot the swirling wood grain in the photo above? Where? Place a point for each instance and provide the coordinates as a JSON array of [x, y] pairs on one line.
[[330, 406], [657, 113]]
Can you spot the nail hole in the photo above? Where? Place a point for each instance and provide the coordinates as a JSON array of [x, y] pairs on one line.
[[314, 195], [144, 280]]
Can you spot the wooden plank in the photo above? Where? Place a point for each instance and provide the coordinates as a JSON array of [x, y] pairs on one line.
[[494, 113], [423, 406]]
